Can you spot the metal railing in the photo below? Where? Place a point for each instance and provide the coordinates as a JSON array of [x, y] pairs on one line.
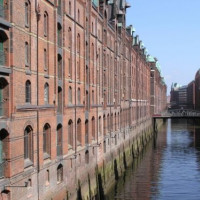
[[1, 108], [2, 57], [2, 168], [3, 11], [180, 113]]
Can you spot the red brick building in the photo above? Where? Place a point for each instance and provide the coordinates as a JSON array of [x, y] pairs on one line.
[[74, 83], [158, 87]]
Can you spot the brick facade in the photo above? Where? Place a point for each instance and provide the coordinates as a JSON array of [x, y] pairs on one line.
[[71, 74]]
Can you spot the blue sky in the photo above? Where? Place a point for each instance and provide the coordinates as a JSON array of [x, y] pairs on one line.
[[170, 30]]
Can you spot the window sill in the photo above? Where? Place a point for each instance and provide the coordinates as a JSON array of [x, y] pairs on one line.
[[28, 71], [28, 163], [26, 25], [46, 76], [3, 117], [27, 65], [46, 156], [59, 182], [29, 106]]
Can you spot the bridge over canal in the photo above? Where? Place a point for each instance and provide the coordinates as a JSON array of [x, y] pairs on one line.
[[176, 113]]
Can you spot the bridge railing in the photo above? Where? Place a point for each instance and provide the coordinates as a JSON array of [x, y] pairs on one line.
[[180, 113]]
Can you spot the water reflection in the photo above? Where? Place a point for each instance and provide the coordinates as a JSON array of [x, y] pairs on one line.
[[169, 168]]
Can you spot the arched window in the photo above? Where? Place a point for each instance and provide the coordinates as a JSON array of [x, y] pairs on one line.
[[92, 66], [59, 173], [69, 38], [46, 93], [100, 126], [92, 28], [78, 16], [45, 60], [59, 66], [59, 99], [59, 34], [79, 132], [70, 134], [27, 13], [92, 52], [46, 24], [59, 139], [78, 43], [86, 132], [87, 75], [87, 157], [70, 67], [70, 95], [104, 125], [46, 140], [3, 151], [87, 100], [79, 96], [28, 92], [70, 7], [28, 143], [27, 54], [47, 177], [93, 128], [93, 97], [108, 123]]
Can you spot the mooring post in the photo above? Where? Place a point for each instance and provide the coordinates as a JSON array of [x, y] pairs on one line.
[[154, 125]]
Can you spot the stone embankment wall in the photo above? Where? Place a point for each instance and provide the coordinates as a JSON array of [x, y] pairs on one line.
[[98, 179]]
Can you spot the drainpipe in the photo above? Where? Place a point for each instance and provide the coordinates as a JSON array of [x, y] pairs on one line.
[[37, 9], [97, 85], [75, 123]]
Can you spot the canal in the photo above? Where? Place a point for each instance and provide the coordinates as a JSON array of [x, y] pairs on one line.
[[167, 169]]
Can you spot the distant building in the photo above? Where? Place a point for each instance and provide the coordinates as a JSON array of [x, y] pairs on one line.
[[182, 95], [174, 100], [191, 95], [178, 96]]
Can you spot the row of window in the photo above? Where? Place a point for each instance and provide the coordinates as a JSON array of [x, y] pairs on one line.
[[46, 94], [28, 92], [112, 124], [28, 18]]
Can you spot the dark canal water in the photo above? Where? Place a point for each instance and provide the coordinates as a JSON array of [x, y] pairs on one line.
[[168, 168]]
